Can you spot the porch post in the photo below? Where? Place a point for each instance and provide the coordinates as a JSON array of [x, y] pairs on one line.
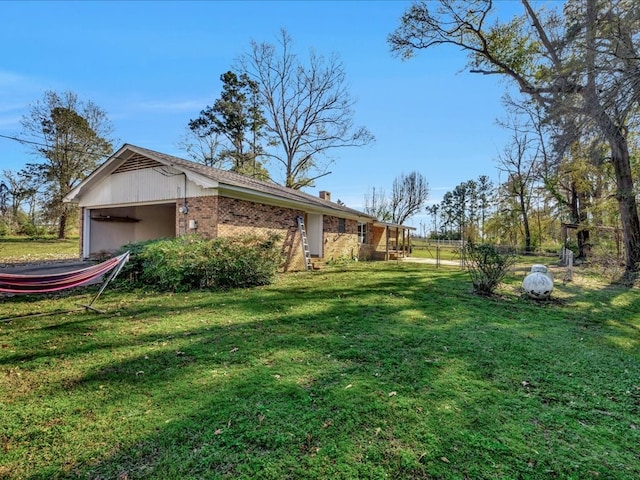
[[386, 254]]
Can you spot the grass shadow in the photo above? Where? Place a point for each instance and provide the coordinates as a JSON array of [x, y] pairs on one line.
[[378, 371]]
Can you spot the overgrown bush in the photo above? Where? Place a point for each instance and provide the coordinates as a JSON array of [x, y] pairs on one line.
[[132, 270], [487, 265], [191, 262]]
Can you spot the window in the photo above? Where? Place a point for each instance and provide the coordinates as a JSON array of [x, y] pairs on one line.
[[342, 225], [362, 233]]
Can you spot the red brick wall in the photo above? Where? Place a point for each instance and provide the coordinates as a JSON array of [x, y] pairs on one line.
[[379, 239], [204, 210], [336, 244], [227, 217], [367, 249], [240, 217]]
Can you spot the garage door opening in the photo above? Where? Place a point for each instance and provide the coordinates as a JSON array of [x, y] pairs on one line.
[[108, 229]]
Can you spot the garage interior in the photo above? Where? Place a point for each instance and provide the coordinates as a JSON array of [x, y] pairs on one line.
[[111, 228]]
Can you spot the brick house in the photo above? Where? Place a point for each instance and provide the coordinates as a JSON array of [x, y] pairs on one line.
[[139, 194]]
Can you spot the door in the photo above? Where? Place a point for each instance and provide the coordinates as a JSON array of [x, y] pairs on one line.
[[314, 234]]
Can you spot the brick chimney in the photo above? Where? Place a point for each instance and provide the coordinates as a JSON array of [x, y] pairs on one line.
[[325, 195]]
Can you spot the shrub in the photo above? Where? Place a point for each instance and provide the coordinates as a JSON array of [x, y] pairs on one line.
[[33, 231], [487, 265], [132, 270], [191, 262]]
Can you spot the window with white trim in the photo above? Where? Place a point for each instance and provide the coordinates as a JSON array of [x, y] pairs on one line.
[[363, 233]]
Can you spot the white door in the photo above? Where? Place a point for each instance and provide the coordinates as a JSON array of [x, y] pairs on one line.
[[314, 234]]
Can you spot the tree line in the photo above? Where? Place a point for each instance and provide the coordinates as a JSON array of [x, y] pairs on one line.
[[576, 68]]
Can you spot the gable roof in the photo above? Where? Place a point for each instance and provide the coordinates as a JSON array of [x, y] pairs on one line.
[[129, 157]]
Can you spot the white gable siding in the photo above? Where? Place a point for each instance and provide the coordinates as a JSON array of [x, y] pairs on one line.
[[141, 186]]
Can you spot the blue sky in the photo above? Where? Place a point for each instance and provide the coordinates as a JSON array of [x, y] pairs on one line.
[[152, 66]]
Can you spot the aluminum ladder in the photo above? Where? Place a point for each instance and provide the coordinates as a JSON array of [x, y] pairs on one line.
[[305, 243]]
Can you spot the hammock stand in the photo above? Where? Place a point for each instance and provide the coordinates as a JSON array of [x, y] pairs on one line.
[[26, 284]]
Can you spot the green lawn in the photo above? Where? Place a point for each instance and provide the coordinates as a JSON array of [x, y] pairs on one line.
[[444, 252], [22, 249], [380, 370]]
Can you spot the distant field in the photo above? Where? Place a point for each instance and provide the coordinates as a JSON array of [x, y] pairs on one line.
[[446, 252], [23, 249]]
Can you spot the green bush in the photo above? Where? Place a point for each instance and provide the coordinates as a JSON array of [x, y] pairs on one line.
[[132, 270], [191, 262], [487, 265], [34, 232]]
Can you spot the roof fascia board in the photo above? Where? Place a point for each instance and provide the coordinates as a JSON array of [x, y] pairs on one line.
[[254, 195], [119, 157], [392, 225], [196, 178]]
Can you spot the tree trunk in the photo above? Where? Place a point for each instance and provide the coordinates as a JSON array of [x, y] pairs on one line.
[[62, 225], [525, 222], [615, 131], [584, 249], [626, 203], [579, 217]]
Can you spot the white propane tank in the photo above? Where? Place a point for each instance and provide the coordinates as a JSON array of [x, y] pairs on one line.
[[539, 283]]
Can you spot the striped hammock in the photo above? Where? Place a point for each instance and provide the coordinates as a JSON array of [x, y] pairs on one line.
[[22, 284]]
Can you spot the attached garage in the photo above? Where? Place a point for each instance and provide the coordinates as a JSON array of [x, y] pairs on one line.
[[135, 197], [110, 228], [140, 194]]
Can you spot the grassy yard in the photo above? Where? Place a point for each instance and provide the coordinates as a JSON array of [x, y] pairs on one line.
[[22, 250], [445, 252], [375, 371]]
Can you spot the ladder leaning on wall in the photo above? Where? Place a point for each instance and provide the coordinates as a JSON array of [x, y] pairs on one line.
[[305, 243]]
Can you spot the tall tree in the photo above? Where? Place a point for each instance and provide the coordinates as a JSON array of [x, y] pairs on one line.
[[238, 118], [408, 196], [520, 160], [18, 188], [308, 108], [472, 227], [201, 148], [485, 187], [582, 62], [70, 137], [433, 211], [580, 186], [4, 199], [377, 204]]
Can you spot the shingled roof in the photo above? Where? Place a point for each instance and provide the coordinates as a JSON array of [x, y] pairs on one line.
[[226, 180]]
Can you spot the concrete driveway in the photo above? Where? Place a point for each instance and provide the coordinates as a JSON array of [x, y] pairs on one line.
[[431, 261]]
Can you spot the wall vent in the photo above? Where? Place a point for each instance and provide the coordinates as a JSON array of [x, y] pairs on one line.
[[137, 162]]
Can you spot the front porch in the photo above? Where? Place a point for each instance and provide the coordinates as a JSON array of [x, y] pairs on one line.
[[391, 241]]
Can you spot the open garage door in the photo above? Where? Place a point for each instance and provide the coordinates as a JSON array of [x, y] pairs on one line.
[[107, 229]]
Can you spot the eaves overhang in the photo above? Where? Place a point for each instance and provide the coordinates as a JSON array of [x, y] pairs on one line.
[[378, 223], [308, 206]]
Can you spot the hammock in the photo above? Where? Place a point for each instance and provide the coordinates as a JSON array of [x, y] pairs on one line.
[[25, 284], [15, 283]]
